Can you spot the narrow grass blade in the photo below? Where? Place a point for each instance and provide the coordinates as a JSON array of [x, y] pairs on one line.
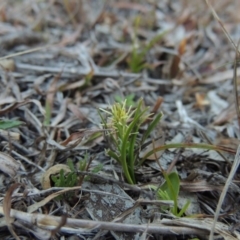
[[184, 209], [172, 186], [188, 145], [114, 156], [151, 126], [123, 151]]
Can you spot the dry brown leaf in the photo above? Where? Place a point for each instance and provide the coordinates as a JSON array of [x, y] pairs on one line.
[[201, 100], [76, 111], [199, 186], [157, 105], [37, 205], [8, 165], [226, 115], [61, 224], [3, 14], [174, 68], [52, 91], [69, 86], [84, 136], [73, 137], [46, 177], [227, 142], [182, 47], [7, 208]]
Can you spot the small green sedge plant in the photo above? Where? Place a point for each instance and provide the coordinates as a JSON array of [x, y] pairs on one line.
[[62, 180], [72, 179], [122, 126], [170, 191], [137, 59], [122, 129]]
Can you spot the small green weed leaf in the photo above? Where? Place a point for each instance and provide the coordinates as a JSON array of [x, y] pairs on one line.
[[118, 98], [71, 180], [62, 178], [170, 191], [136, 61], [83, 163], [172, 185], [163, 195], [129, 100], [96, 169], [58, 180], [55, 179], [184, 209], [88, 78], [7, 124], [70, 164]]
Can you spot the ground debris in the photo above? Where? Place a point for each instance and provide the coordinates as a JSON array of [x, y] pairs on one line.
[[61, 61]]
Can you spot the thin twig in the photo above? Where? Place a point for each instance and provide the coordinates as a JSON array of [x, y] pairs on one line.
[[222, 26], [225, 189], [236, 90], [209, 141], [73, 225]]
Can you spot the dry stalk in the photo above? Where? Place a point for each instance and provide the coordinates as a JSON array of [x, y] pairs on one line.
[[74, 226]]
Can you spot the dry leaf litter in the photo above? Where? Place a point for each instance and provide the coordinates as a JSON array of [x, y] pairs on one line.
[[72, 57]]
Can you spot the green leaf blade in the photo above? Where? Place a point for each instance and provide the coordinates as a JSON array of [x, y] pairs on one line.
[[7, 124]]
